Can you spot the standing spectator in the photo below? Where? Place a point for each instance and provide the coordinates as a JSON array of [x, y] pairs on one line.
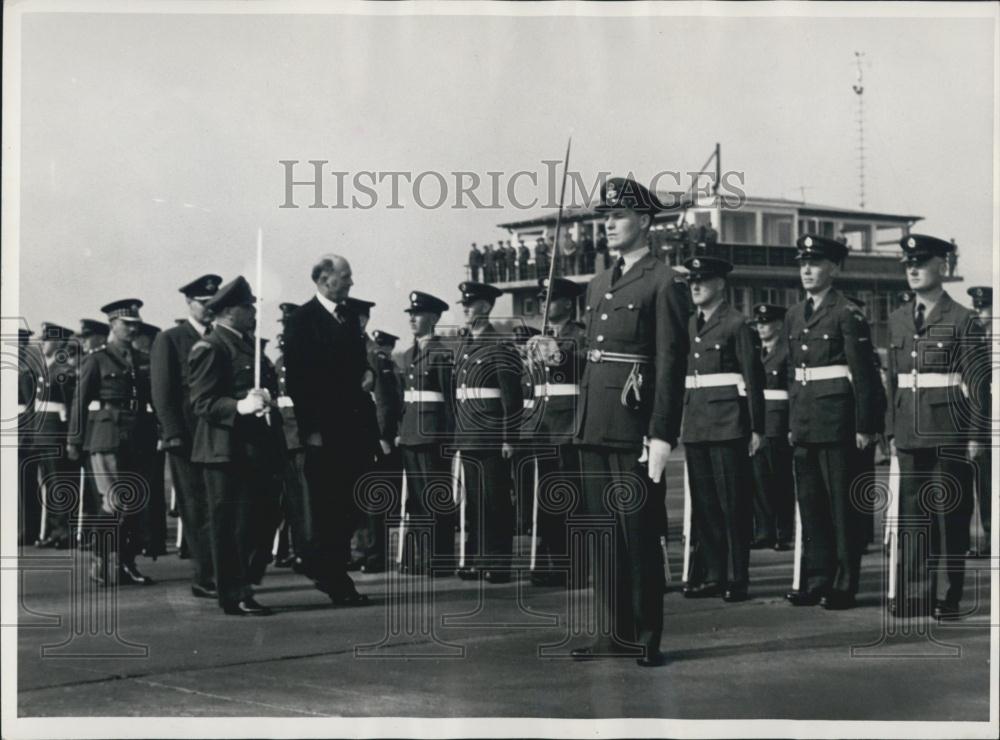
[[711, 235], [489, 264], [952, 259], [475, 262], [571, 254], [510, 261], [523, 255], [587, 251], [602, 249], [500, 261], [541, 257]]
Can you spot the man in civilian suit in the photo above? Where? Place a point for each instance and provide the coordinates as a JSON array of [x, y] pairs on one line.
[[329, 380], [171, 392]]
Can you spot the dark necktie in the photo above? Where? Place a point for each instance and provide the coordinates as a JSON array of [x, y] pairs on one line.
[[809, 308], [616, 273], [918, 319], [700, 323], [763, 352], [338, 313]]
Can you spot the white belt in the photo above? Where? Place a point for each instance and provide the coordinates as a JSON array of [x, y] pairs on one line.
[[22, 408], [826, 372], [559, 389], [285, 402], [96, 406], [529, 403], [775, 394], [50, 407], [716, 380], [478, 394], [423, 396], [928, 380]]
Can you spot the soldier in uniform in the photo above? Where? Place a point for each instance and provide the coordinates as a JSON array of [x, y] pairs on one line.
[[832, 415], [53, 400], [982, 302], [426, 426], [631, 396], [935, 347], [556, 396], [29, 368], [490, 264], [238, 444], [94, 334], [294, 532], [475, 261], [774, 490], [171, 384], [154, 516], [111, 421], [487, 414], [723, 424], [523, 257], [542, 257], [510, 257]]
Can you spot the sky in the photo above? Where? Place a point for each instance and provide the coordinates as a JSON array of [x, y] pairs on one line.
[[151, 142]]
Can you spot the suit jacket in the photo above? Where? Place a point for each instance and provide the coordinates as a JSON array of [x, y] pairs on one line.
[[387, 394], [951, 341], [170, 381], [828, 411], [776, 379], [725, 344], [428, 368], [554, 419], [117, 378], [325, 361], [221, 368], [488, 361], [640, 314]]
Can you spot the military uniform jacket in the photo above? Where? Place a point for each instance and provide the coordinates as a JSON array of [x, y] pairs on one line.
[[221, 369], [489, 363], [387, 393], [170, 382], [428, 367], [286, 408], [54, 395], [950, 342], [641, 314], [115, 381], [776, 379], [725, 344], [557, 415], [830, 411]]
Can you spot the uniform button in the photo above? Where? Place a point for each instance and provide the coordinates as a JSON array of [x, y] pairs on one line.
[[465, 357], [805, 347], [940, 344], [608, 296], [697, 339], [805, 331], [913, 354], [696, 355], [600, 337], [916, 336], [717, 346], [411, 376], [604, 317], [774, 372], [826, 336]]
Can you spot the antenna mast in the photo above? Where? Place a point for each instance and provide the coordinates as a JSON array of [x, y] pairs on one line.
[[859, 89]]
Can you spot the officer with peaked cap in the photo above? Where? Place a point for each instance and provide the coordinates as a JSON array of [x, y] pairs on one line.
[[426, 427], [53, 396], [388, 399], [774, 491], [171, 385], [488, 411], [111, 421], [982, 302], [832, 414], [557, 361], [722, 429], [93, 333], [631, 393], [935, 348], [238, 443]]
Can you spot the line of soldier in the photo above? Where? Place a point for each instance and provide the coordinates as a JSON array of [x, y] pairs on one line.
[[796, 407], [508, 263]]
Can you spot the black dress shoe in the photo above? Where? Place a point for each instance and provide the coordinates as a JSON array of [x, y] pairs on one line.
[[203, 592], [467, 574], [803, 598], [248, 607], [702, 591], [946, 610], [350, 599], [46, 542], [373, 566], [497, 576], [837, 601], [129, 574], [782, 546], [735, 593], [652, 660], [285, 561], [582, 654]]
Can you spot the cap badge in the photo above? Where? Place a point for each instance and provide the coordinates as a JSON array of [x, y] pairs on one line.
[[911, 242], [696, 263], [611, 193], [807, 242]]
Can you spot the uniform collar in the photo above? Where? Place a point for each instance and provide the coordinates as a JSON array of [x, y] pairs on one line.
[[819, 298], [231, 330], [632, 258], [200, 328]]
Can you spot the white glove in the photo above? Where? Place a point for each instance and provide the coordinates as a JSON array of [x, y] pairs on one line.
[[255, 402], [659, 451]]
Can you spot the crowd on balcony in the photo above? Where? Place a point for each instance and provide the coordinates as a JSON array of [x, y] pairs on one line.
[[504, 262]]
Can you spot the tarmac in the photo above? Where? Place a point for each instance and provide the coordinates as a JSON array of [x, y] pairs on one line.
[[486, 650]]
